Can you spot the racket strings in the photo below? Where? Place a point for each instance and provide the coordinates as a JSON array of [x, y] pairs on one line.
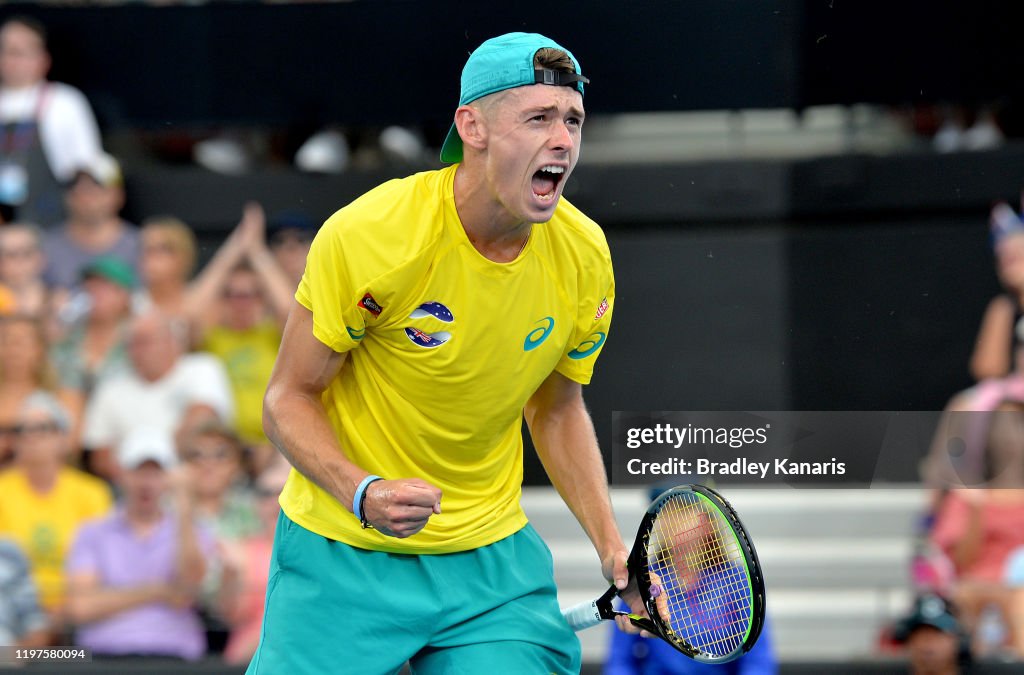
[[698, 561]]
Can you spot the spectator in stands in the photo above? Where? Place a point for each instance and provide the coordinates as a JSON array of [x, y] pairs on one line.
[[160, 386], [247, 566], [93, 228], [25, 368], [224, 504], [997, 351], [23, 623], [167, 263], [253, 296], [223, 500], [21, 269], [49, 128], [291, 234], [133, 577], [44, 501], [978, 529], [934, 640], [995, 363], [93, 348], [630, 654]]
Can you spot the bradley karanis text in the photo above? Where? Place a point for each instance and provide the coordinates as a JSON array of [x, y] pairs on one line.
[[735, 438]]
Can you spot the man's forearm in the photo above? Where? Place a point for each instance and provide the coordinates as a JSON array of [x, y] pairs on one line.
[[191, 564], [93, 604], [297, 425], [567, 446]]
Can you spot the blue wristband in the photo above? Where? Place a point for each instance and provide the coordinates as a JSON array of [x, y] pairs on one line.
[[357, 498]]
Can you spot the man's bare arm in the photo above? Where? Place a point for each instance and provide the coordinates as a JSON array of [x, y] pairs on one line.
[[295, 421], [564, 437]]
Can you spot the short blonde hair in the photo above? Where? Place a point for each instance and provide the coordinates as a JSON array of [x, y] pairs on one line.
[[180, 235]]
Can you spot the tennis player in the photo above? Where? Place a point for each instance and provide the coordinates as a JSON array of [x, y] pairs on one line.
[[435, 311]]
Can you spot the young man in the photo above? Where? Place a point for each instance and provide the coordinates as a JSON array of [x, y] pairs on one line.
[[134, 576], [434, 312]]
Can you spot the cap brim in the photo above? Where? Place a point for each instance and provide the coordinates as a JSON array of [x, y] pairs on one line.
[[451, 151]]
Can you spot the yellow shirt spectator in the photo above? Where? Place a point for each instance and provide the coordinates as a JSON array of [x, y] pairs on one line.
[[248, 356], [44, 525]]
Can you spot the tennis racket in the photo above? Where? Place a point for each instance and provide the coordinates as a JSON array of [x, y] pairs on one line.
[[698, 576]]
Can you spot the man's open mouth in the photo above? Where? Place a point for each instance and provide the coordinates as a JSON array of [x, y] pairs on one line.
[[545, 181]]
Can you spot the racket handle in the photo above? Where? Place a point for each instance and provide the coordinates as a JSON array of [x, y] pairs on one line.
[[583, 615]]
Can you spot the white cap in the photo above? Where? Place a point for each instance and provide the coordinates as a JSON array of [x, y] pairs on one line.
[[144, 444], [103, 169]]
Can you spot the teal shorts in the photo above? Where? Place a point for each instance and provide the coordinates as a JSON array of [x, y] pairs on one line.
[[332, 608]]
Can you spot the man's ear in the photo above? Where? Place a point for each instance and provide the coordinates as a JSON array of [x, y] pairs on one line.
[[472, 126]]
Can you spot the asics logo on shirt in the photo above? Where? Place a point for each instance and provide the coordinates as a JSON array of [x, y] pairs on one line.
[[538, 335], [588, 346]]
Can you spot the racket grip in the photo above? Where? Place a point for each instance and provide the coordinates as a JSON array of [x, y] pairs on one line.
[[583, 615]]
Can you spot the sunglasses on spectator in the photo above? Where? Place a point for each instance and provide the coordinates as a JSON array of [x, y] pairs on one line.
[[38, 428], [218, 455]]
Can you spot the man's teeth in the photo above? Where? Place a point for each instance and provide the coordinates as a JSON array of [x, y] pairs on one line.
[[553, 169]]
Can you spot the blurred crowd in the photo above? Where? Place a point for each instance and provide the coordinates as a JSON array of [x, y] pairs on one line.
[[968, 564], [138, 494]]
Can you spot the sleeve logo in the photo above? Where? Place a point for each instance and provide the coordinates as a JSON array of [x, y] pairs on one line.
[[370, 305], [601, 309], [588, 346]]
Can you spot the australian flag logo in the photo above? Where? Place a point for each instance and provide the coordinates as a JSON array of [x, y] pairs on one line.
[[427, 340], [434, 309], [421, 338]]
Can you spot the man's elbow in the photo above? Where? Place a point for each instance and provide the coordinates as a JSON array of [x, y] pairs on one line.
[[271, 404]]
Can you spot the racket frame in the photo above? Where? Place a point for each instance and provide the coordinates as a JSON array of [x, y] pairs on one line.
[[638, 565]]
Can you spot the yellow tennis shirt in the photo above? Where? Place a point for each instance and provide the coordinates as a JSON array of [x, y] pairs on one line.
[[45, 525], [445, 347], [248, 356]]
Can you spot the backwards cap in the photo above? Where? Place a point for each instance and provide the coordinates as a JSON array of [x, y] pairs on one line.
[[506, 62]]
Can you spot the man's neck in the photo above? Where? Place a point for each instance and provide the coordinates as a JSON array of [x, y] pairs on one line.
[[153, 377], [42, 476], [165, 290], [95, 233], [19, 88], [487, 224], [143, 520]]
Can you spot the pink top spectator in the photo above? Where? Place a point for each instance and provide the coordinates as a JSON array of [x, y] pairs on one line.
[[1003, 531]]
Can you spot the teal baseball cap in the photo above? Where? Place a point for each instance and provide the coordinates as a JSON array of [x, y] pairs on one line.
[[112, 269], [506, 62]]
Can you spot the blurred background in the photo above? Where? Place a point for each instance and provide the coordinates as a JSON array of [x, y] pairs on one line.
[[797, 195]]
